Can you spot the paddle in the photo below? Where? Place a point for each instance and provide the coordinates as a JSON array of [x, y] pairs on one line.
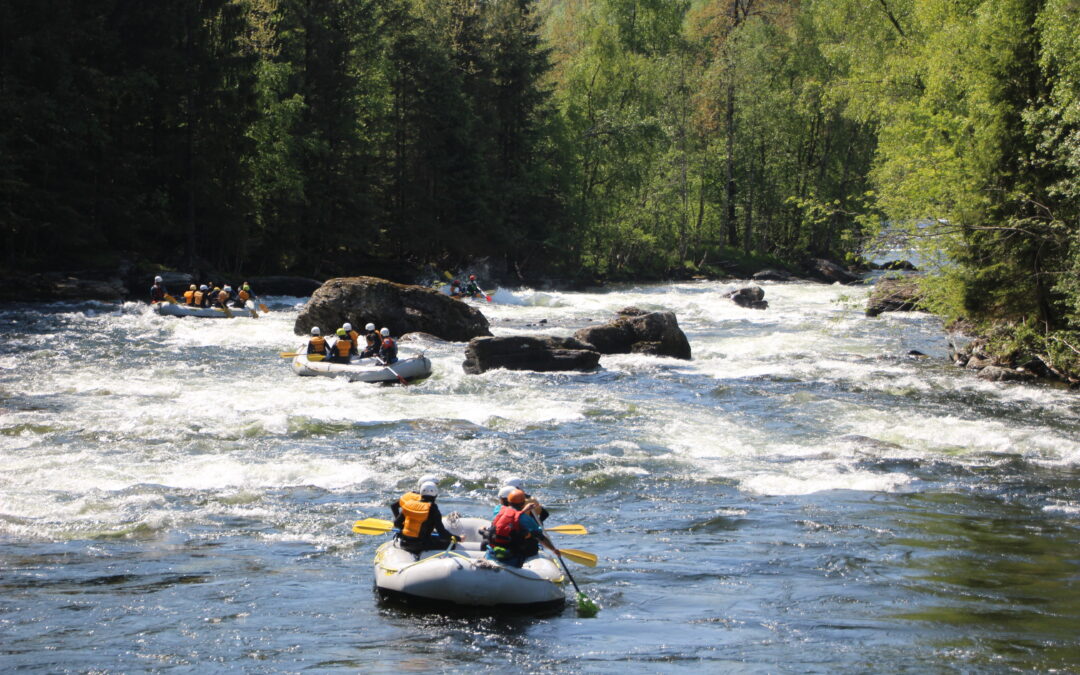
[[585, 606], [372, 526], [401, 379], [293, 355], [567, 529], [228, 312], [169, 298], [484, 293], [580, 557], [262, 308]]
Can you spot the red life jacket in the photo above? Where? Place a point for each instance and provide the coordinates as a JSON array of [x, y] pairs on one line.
[[506, 529]]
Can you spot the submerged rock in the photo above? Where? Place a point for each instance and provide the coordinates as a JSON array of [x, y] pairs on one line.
[[820, 269], [525, 352], [638, 332], [401, 308]]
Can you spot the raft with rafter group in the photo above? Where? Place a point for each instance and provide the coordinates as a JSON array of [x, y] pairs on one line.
[[179, 309], [462, 576], [373, 370]]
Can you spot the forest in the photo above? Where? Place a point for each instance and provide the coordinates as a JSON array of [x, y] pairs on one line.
[[571, 139]]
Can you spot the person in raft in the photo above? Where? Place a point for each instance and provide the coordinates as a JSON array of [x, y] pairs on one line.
[[189, 295], [472, 290], [388, 350], [317, 343], [244, 295], [514, 534], [353, 335], [538, 510], [420, 523], [157, 291], [455, 288], [343, 349], [202, 296], [373, 340]]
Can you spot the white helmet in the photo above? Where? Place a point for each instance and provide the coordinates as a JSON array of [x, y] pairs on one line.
[[385, 332], [347, 326], [369, 327], [516, 483], [203, 287], [505, 491], [429, 490], [157, 280], [227, 289], [427, 479], [315, 330]]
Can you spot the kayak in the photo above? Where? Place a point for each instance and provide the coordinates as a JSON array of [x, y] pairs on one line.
[[365, 370], [464, 577], [175, 309]]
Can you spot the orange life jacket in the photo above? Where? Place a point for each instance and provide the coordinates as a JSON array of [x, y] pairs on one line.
[[343, 347], [243, 295], [416, 513], [223, 297], [317, 345], [197, 297], [189, 297], [355, 337]]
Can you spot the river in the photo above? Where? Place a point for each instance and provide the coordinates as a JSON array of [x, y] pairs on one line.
[[802, 496]]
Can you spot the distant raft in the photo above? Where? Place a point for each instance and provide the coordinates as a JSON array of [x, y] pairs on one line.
[[365, 370], [464, 577], [176, 309]]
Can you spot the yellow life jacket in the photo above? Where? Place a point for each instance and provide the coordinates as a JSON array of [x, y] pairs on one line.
[[343, 347], [317, 345], [189, 297], [416, 513]]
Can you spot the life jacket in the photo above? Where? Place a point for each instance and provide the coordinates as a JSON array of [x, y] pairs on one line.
[[343, 347], [506, 529], [243, 295], [197, 298], [355, 337], [189, 297], [415, 511], [373, 340], [317, 345], [157, 293], [223, 297]]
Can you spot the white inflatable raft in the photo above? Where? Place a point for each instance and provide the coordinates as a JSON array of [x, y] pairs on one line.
[[464, 577], [365, 370], [175, 309]]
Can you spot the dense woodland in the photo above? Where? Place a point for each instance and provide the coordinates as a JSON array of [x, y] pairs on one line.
[[564, 138]]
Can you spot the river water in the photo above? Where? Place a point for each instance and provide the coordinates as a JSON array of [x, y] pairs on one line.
[[802, 496]]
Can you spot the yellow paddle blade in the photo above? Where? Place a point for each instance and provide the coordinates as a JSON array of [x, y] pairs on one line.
[[372, 526], [316, 357], [580, 557], [287, 355], [262, 308], [567, 529]]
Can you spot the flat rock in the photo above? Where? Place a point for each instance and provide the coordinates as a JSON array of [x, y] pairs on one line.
[[526, 352]]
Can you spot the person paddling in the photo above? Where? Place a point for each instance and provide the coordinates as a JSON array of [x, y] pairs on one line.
[[539, 511], [189, 295], [515, 535], [317, 343], [388, 350], [472, 289], [200, 296], [343, 349], [420, 522], [157, 291], [373, 341]]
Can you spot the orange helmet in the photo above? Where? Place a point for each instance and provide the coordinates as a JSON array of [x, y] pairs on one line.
[[517, 497]]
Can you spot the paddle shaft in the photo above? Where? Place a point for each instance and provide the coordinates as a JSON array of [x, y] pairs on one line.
[[568, 575]]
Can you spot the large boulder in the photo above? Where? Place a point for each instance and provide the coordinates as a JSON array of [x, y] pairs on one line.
[[820, 269], [751, 297], [526, 352], [399, 307], [894, 295], [771, 274], [654, 333]]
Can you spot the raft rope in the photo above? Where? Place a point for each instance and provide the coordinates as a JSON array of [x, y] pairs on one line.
[[478, 562]]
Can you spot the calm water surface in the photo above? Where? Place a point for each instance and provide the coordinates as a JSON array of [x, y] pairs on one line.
[[801, 497]]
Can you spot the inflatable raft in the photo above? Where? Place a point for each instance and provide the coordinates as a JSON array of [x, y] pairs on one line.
[[365, 370], [464, 577], [175, 309]]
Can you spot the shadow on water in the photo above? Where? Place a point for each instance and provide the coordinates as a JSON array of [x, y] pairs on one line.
[[997, 573]]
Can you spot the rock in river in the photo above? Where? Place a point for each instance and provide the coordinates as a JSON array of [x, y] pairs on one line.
[[637, 332], [401, 308], [526, 352]]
